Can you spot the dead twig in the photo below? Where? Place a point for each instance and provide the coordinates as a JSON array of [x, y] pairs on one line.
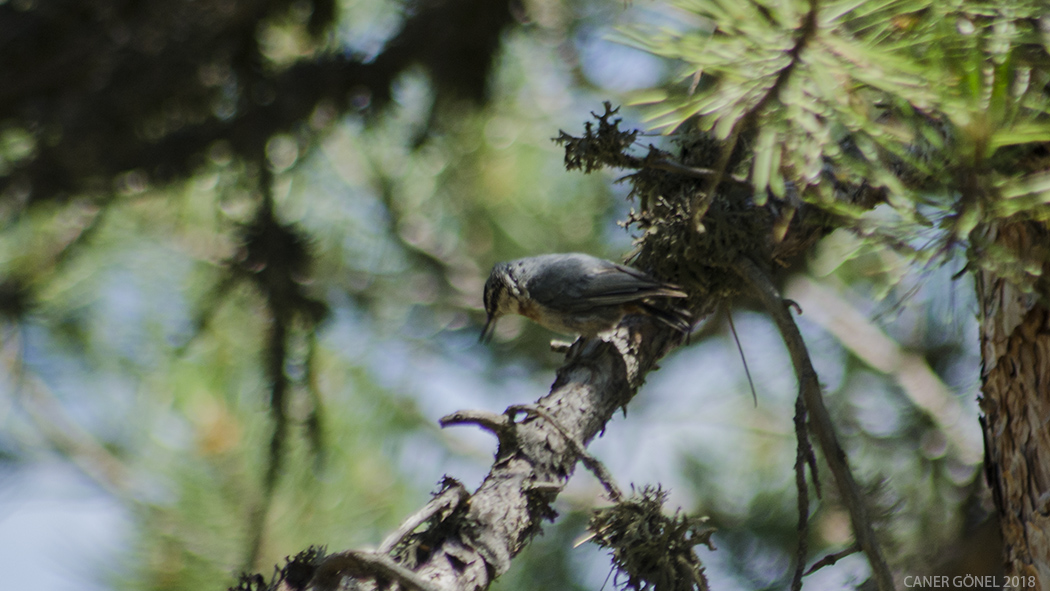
[[831, 559], [820, 420], [360, 564], [447, 500], [590, 462], [803, 456]]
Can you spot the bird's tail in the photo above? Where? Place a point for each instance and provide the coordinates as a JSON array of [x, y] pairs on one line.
[[677, 318]]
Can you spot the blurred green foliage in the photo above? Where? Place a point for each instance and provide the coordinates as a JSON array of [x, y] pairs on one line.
[[118, 299]]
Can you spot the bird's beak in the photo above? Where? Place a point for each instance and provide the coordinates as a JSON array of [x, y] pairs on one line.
[[486, 333]]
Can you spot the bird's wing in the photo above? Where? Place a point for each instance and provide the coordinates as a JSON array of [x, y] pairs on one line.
[[596, 282], [620, 285]]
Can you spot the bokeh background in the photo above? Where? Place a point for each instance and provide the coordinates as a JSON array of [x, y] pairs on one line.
[[135, 419]]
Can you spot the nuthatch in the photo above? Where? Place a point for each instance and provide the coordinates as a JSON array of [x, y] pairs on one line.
[[576, 294]]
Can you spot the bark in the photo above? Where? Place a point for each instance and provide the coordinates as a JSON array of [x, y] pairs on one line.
[[1015, 399], [537, 456]]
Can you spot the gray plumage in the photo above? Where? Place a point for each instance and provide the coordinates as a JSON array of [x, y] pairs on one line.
[[576, 293]]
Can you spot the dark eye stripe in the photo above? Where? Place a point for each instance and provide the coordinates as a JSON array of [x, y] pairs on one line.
[[492, 295]]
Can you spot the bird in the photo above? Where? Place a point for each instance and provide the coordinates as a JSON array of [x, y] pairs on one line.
[[577, 294]]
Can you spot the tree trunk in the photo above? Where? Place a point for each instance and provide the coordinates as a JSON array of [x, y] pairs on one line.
[[1015, 399]]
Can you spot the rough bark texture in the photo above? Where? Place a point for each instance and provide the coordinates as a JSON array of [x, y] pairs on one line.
[[534, 462], [1015, 350], [601, 379]]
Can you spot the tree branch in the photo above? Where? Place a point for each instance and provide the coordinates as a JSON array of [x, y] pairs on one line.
[[354, 563], [445, 501], [590, 462], [476, 536], [820, 421]]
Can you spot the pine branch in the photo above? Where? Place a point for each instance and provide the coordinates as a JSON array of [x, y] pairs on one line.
[[820, 420]]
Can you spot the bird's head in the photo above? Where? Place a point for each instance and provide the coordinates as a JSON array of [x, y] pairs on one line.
[[500, 298]]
